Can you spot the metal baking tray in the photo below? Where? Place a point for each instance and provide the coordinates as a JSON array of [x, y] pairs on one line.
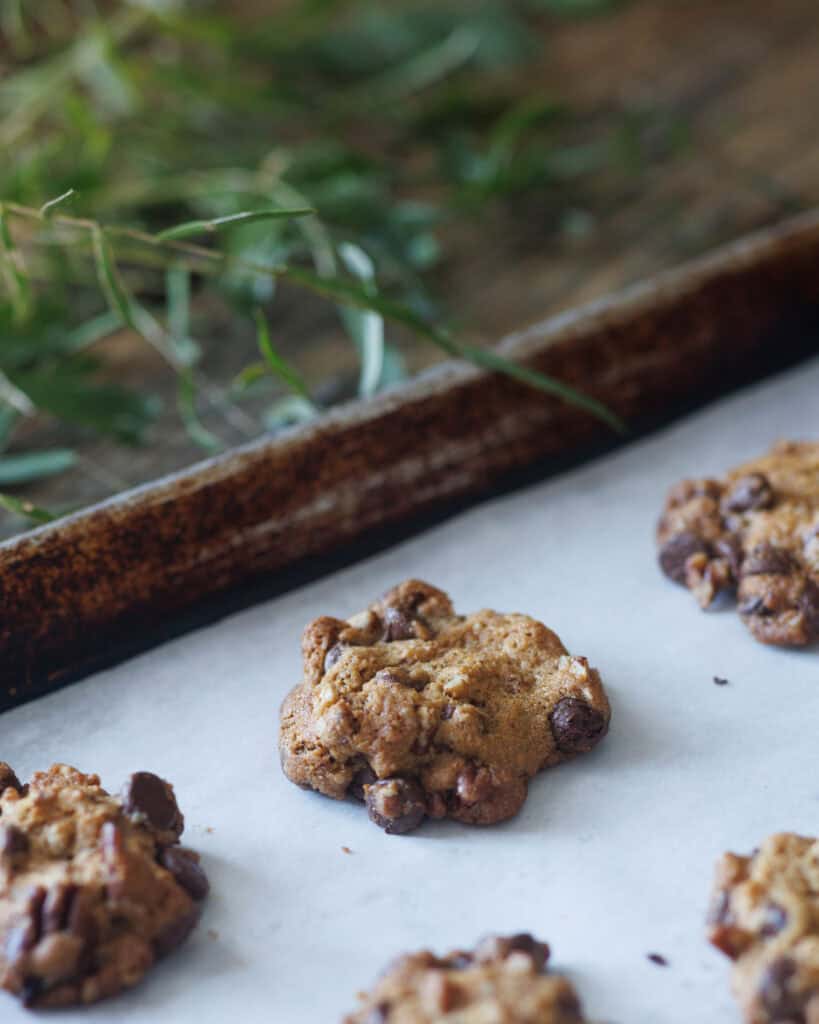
[[120, 576]]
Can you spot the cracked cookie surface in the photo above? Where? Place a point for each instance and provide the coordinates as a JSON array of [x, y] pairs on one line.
[[765, 917], [93, 888], [424, 713], [755, 532], [503, 980]]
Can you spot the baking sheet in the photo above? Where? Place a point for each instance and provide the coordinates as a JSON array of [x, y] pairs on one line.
[[612, 856]]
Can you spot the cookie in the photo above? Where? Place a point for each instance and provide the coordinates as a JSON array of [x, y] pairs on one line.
[[765, 917], [420, 712], [93, 888], [504, 979], [755, 532]]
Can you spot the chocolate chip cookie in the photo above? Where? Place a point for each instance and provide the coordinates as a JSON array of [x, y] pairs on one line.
[[420, 712], [765, 917], [755, 532], [504, 979], [93, 888]]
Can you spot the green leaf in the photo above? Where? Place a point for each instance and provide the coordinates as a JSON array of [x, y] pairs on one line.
[[178, 296], [109, 279], [574, 8], [287, 411], [13, 272], [345, 291], [276, 364], [47, 208], [364, 326], [201, 227], [186, 404], [22, 469], [25, 509], [68, 395], [249, 376]]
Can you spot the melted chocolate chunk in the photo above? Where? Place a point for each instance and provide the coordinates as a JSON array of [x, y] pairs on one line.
[[147, 795], [576, 725], [396, 805], [677, 550]]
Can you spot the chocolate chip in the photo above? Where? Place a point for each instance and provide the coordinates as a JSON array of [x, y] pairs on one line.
[[146, 795], [32, 988], [26, 933], [774, 921], [719, 911], [775, 992], [12, 841], [378, 1014], [398, 625], [719, 681], [57, 906], [332, 656], [496, 947], [396, 805], [81, 920], [677, 550], [576, 725], [365, 776], [184, 865], [809, 606], [175, 933], [8, 780], [767, 559], [658, 959], [748, 493]]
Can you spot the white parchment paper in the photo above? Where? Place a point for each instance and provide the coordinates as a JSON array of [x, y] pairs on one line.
[[612, 856]]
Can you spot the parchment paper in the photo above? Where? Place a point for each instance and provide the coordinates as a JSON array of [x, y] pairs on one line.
[[612, 857]]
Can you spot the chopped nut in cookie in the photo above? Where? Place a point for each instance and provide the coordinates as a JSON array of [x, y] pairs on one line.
[[93, 888], [754, 533], [765, 916], [502, 979], [423, 713]]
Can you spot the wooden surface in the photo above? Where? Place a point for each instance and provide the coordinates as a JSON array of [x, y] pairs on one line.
[[102, 583], [740, 76]]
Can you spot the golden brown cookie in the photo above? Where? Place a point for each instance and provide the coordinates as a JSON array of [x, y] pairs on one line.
[[93, 888], [765, 917], [756, 532], [421, 712], [503, 980]]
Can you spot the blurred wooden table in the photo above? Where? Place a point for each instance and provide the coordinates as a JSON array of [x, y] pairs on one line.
[[743, 77]]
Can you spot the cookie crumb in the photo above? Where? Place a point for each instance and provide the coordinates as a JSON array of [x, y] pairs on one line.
[[719, 681], [346, 849], [658, 959], [210, 830]]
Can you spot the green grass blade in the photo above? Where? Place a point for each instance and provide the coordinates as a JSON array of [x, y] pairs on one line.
[[186, 404], [192, 228], [109, 278], [23, 469], [13, 272], [276, 363], [339, 289], [26, 510], [365, 327], [48, 208]]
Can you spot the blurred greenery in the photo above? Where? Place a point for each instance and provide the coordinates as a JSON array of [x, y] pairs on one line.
[[335, 143]]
